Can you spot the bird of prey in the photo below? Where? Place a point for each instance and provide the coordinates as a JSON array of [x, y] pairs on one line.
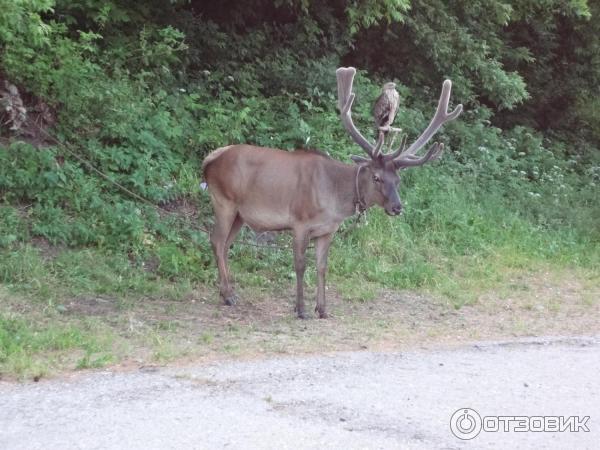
[[386, 107]]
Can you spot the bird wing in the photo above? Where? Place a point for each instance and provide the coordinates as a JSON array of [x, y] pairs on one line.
[[394, 100], [381, 110]]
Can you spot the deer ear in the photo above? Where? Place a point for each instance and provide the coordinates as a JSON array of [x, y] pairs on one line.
[[360, 160]]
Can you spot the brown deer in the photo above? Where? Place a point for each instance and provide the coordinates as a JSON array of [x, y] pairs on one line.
[[306, 191]]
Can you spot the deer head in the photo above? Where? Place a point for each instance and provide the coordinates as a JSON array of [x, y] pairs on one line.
[[382, 169]]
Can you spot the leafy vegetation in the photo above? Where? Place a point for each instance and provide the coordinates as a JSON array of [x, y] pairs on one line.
[[144, 90]]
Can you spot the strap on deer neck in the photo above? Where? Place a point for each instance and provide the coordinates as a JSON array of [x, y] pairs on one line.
[[359, 204]]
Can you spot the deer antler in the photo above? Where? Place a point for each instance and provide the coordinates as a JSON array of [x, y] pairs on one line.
[[402, 157], [406, 157], [345, 79]]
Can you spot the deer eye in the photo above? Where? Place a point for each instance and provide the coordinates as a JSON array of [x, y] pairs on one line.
[[376, 179]]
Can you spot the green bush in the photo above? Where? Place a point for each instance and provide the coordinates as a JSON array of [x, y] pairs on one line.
[[144, 90]]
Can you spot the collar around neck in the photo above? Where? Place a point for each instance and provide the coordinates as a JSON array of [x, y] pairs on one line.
[[359, 203]]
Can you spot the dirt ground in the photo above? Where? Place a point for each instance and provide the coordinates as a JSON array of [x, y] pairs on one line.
[[199, 328]]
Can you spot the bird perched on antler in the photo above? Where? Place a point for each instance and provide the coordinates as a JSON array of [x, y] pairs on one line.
[[385, 108]]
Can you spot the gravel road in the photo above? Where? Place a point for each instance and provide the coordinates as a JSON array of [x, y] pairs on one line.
[[343, 400]]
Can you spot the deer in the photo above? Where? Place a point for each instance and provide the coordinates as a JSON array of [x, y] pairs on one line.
[[307, 192]]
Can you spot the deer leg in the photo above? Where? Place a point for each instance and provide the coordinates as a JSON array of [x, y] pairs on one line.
[[300, 244], [322, 244], [235, 229], [225, 218]]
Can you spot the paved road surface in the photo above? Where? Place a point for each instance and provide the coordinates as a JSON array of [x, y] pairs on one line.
[[345, 400]]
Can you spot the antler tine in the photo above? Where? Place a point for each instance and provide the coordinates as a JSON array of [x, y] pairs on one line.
[[440, 117], [399, 150], [432, 154], [378, 145], [345, 79]]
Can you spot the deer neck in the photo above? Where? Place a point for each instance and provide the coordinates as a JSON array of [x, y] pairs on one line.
[[350, 189]]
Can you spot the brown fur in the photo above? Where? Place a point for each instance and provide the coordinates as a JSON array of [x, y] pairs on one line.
[[213, 155], [303, 191]]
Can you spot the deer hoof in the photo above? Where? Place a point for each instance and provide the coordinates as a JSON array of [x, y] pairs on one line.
[[231, 300], [302, 315], [322, 314]]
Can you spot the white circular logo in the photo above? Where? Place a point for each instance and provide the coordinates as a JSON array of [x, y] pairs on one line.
[[465, 423]]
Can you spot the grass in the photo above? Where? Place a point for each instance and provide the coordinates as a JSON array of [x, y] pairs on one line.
[[81, 309], [32, 348], [71, 273], [65, 309]]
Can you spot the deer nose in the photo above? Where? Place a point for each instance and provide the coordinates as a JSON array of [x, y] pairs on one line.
[[396, 209]]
